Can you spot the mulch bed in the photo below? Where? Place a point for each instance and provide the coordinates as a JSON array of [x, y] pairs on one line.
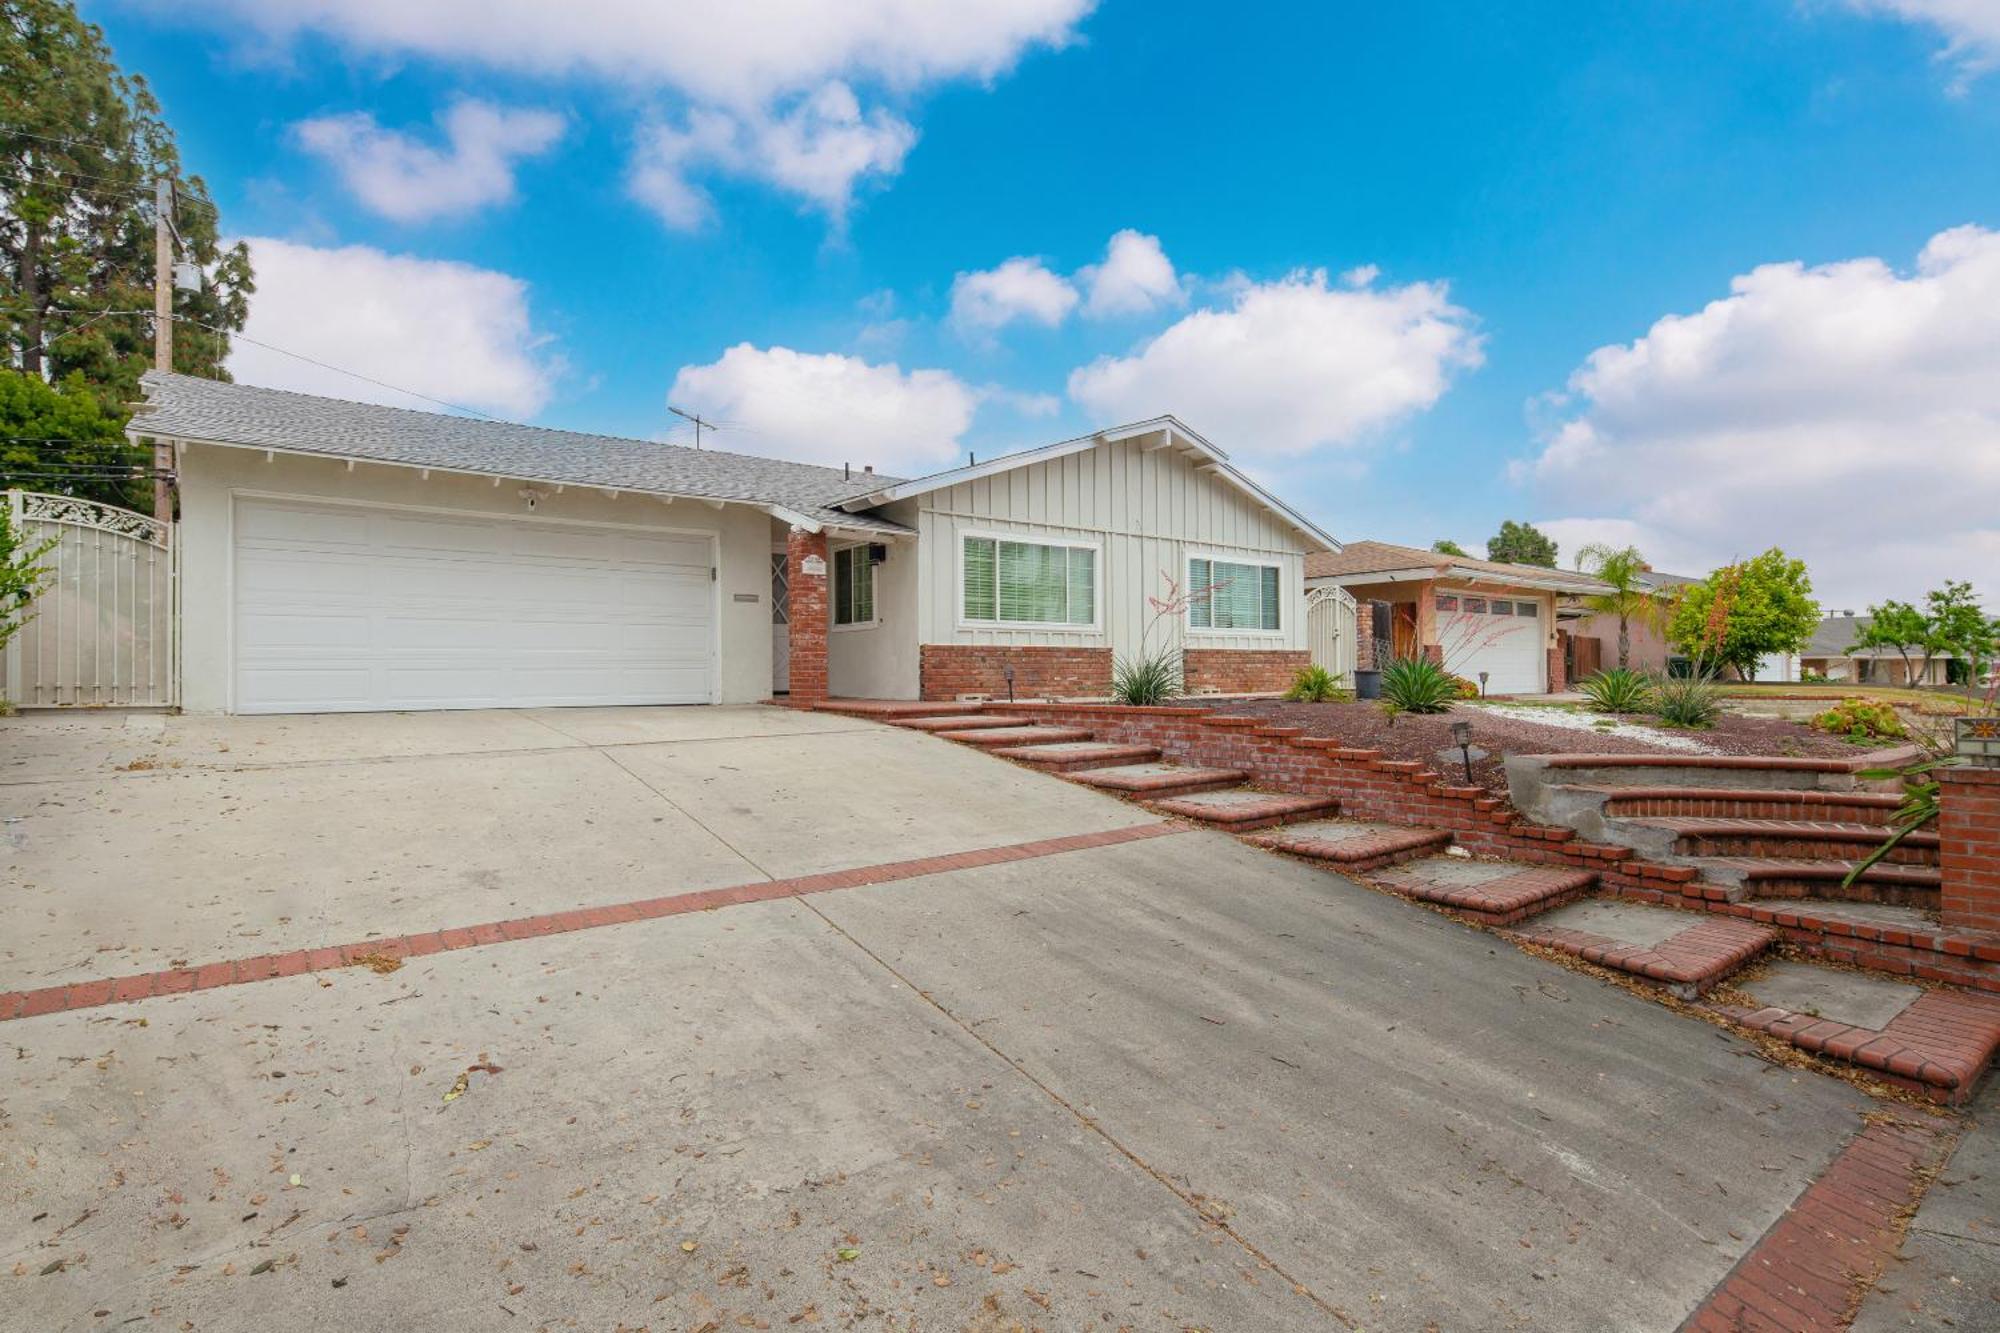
[[1366, 726]]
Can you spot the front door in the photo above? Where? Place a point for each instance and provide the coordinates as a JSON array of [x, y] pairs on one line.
[[781, 625]]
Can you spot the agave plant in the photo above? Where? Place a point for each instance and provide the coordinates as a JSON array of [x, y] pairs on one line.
[[1149, 678], [1618, 690], [1688, 701], [1418, 685], [1315, 685]]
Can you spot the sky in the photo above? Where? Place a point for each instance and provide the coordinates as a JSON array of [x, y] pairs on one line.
[[1704, 278]]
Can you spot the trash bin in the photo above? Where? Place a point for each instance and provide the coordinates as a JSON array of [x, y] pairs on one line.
[[1367, 684]]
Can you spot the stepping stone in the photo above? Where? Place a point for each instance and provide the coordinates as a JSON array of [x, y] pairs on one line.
[[1686, 952], [1238, 809], [1353, 844], [1496, 892], [1159, 779], [1938, 1042], [957, 722], [1065, 756], [996, 737]]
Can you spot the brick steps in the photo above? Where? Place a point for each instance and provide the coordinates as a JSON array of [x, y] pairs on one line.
[[1240, 809], [1069, 756], [888, 710], [1159, 780], [993, 738], [1688, 964], [1502, 892], [1940, 1045], [1763, 877], [1737, 772], [1847, 807], [1789, 839], [1353, 844], [954, 722]]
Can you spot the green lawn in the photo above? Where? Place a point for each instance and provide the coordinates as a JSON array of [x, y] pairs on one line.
[[1936, 702]]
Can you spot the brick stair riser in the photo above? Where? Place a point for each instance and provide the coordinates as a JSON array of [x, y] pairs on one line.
[[1252, 825], [1524, 913], [1725, 806], [992, 740], [1908, 853], [1067, 766], [1369, 790], [1832, 890]]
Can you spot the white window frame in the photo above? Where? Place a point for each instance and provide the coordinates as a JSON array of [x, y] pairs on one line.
[[1236, 558], [833, 593], [1096, 625]]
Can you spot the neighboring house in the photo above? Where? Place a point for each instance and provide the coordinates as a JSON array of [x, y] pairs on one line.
[[346, 556], [1471, 615], [1832, 653], [1592, 640]]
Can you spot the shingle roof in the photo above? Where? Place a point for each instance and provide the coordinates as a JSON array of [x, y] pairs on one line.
[[1836, 635], [184, 407], [1362, 558]]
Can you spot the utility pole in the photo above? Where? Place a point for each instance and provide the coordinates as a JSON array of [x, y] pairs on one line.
[[695, 417], [163, 330]]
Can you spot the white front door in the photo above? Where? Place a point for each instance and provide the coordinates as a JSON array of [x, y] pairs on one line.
[[1497, 635], [355, 608], [781, 623]]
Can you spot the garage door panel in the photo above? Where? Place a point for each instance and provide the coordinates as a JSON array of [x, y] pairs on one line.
[[351, 608]]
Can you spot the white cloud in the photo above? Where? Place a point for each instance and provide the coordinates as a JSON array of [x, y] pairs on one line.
[[763, 88], [1971, 28], [1135, 277], [449, 330], [820, 150], [831, 409], [1021, 288], [401, 177], [1291, 366], [1847, 412]]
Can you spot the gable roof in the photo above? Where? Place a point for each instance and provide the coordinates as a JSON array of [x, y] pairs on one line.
[[1362, 562], [184, 407], [1174, 433], [1836, 635]]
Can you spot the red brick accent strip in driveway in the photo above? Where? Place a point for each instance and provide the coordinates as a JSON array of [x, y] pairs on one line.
[[119, 990], [1809, 1269]]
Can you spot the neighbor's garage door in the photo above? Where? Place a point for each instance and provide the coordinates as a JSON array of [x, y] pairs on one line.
[[1499, 636], [358, 608]]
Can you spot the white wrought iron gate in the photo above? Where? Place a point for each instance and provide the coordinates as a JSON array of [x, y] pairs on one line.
[[1330, 630], [102, 634]]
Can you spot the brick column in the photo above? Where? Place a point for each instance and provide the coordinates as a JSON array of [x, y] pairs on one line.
[[810, 614], [1969, 847], [1558, 678]]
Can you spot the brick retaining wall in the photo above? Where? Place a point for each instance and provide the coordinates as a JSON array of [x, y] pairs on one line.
[[1242, 670], [948, 671]]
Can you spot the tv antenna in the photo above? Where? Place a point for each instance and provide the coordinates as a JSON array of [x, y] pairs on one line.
[[699, 424]]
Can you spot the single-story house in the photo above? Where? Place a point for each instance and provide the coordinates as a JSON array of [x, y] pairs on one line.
[[347, 556], [1591, 640], [1833, 654], [1478, 618]]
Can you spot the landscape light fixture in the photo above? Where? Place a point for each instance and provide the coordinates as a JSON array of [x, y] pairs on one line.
[[1461, 736], [1482, 684], [1007, 670]]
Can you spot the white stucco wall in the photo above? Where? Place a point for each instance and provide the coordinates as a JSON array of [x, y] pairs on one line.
[[879, 661], [211, 477]]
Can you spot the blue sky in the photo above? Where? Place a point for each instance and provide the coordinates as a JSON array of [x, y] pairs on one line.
[[1409, 263]]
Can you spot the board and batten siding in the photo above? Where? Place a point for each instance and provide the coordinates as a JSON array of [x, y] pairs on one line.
[[1145, 511]]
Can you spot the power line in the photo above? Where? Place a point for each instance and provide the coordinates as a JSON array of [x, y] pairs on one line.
[[339, 370]]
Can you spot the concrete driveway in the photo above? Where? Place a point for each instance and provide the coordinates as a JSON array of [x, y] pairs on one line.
[[1165, 1084]]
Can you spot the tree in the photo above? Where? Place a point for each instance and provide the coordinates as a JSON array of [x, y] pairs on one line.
[[65, 440], [1521, 544], [1958, 626], [81, 144], [22, 576], [1745, 611], [1446, 546], [1629, 596], [1898, 626]]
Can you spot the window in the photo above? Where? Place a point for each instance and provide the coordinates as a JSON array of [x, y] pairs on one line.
[[1028, 583], [1447, 604], [1525, 609], [853, 587], [1475, 606], [1238, 597]]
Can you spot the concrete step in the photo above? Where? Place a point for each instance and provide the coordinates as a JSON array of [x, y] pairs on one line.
[[1846, 807], [1938, 1042], [1495, 892], [1156, 780], [994, 738], [1760, 877], [1738, 772], [1786, 839], [956, 722], [1240, 809], [888, 710], [1068, 756], [1686, 952], [1353, 844]]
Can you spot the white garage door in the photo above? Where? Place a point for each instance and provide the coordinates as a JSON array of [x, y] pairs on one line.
[[347, 608], [1499, 636]]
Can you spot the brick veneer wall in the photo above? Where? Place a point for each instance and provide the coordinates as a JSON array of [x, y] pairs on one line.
[[807, 612], [1969, 847], [1558, 675], [1372, 787], [948, 670], [1242, 670], [1367, 655]]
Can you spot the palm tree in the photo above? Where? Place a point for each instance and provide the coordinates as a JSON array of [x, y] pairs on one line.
[[1628, 595]]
